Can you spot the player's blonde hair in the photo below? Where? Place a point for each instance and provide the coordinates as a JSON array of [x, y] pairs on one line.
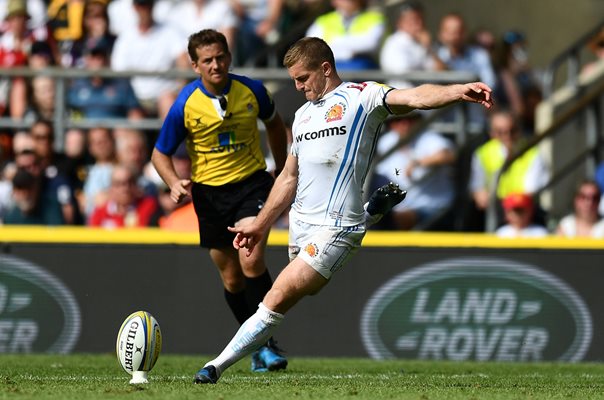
[[311, 52]]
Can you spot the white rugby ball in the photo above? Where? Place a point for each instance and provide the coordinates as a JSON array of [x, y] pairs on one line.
[[138, 345]]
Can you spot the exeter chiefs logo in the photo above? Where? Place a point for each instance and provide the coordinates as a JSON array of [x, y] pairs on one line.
[[311, 249], [336, 112]]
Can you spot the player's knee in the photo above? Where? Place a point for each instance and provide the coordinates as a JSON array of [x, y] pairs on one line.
[[233, 281], [275, 299], [253, 266]]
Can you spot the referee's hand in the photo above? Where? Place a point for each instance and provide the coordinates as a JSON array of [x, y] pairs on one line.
[[179, 190]]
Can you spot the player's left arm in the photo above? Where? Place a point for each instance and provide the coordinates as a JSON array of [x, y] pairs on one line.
[[429, 96], [277, 141]]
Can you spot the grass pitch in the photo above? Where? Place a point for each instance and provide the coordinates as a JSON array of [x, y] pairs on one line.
[[101, 377]]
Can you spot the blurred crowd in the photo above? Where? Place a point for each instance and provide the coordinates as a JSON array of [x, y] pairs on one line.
[[102, 176]]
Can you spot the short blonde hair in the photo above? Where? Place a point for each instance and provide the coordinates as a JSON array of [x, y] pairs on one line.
[[311, 52]]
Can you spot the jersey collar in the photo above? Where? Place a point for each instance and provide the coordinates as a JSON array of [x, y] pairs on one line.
[[224, 92]]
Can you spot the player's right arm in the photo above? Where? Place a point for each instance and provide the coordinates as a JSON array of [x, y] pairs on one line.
[[280, 197], [179, 188], [172, 133]]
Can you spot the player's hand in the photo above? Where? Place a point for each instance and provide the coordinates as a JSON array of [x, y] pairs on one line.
[[179, 190], [478, 92], [246, 237]]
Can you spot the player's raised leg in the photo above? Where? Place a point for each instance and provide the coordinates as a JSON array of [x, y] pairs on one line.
[[382, 201]]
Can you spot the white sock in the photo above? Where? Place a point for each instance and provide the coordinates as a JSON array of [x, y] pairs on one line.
[[251, 335], [371, 219]]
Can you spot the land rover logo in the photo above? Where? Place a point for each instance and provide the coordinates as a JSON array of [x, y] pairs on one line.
[[476, 309], [37, 312]]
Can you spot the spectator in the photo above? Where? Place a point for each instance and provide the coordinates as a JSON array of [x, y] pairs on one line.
[[77, 159], [95, 29], [519, 212], [22, 140], [599, 178], [52, 162], [33, 203], [41, 104], [65, 24], [132, 152], [410, 47], [353, 32], [101, 146], [517, 84], [458, 55], [6, 189], [528, 174], [189, 16], [55, 166], [97, 97], [422, 165], [485, 38], [258, 28], [52, 189], [150, 47], [122, 15], [36, 9], [585, 220], [41, 55], [126, 207], [15, 44]]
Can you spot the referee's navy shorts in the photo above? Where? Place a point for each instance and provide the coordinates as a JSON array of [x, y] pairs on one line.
[[218, 207]]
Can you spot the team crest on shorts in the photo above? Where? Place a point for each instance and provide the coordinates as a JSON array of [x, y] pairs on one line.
[[336, 112], [311, 249]]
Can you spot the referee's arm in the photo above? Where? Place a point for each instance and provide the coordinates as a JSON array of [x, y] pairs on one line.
[[179, 188], [277, 141]]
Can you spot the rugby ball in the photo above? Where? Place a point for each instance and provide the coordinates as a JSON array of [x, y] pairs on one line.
[[138, 345]]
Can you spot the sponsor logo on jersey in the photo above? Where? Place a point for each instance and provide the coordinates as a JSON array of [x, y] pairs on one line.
[[197, 124], [333, 131], [480, 309], [311, 249], [335, 113], [250, 108], [359, 86], [305, 120], [226, 143]]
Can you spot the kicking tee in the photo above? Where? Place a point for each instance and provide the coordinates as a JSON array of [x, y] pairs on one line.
[[334, 140]]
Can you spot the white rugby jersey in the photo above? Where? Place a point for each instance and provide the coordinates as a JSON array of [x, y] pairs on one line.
[[334, 140]]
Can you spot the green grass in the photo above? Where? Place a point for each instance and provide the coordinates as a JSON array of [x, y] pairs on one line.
[[101, 377]]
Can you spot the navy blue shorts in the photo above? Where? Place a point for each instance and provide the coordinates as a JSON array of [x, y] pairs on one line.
[[218, 207]]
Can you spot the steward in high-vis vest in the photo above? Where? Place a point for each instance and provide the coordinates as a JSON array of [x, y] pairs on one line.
[[492, 156], [354, 33], [528, 174]]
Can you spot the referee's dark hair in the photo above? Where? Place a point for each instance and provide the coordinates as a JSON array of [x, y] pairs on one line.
[[205, 37]]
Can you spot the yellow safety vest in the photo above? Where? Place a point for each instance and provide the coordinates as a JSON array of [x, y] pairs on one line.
[[333, 26], [492, 156]]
